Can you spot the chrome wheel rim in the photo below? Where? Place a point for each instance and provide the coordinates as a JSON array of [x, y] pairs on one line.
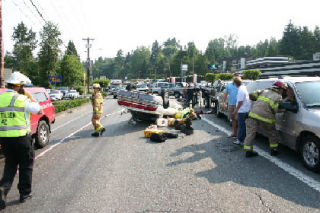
[[43, 133], [311, 153]]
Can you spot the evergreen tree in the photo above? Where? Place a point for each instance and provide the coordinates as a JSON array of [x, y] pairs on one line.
[[71, 49]]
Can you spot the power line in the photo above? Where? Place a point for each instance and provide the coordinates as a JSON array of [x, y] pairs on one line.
[[40, 14], [22, 11], [37, 17]]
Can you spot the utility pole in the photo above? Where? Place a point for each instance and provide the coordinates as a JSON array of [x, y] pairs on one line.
[[1, 52], [88, 59]]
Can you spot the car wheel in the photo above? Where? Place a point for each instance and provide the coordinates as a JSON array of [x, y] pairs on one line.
[[310, 152], [43, 134], [177, 95], [114, 97]]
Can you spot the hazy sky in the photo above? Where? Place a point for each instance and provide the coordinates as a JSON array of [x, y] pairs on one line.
[[126, 24]]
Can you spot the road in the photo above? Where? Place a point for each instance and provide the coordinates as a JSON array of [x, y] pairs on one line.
[[124, 172]]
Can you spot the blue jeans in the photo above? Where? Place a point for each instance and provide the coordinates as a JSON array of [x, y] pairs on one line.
[[242, 126]]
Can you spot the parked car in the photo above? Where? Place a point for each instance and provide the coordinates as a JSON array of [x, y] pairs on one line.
[[64, 90], [55, 95], [41, 124], [159, 86], [72, 94], [177, 89], [114, 88], [142, 87]]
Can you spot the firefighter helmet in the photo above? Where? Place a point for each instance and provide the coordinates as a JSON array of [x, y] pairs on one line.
[[18, 78], [96, 86], [280, 85]]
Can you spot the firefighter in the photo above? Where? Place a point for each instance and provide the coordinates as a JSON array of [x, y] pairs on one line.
[[16, 142], [97, 104], [262, 114]]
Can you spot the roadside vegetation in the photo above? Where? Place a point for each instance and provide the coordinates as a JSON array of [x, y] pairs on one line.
[[68, 104]]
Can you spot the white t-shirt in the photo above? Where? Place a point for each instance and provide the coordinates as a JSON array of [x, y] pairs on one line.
[[243, 95]]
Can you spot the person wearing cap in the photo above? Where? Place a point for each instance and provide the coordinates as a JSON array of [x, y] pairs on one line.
[[97, 104], [16, 142], [262, 114]]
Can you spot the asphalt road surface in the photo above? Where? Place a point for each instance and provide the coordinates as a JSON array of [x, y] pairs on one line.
[[124, 172]]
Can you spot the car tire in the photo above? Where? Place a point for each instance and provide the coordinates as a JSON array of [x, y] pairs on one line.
[[310, 152], [114, 97], [177, 95], [43, 134]]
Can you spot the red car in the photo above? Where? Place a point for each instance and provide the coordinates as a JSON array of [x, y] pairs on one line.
[[41, 124]]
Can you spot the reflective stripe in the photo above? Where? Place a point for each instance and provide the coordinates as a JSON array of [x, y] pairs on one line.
[[271, 102], [258, 117], [6, 128], [273, 145], [14, 98], [248, 147], [17, 109]]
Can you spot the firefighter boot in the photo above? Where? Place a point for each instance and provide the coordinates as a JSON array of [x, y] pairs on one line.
[[102, 131], [95, 134], [251, 154], [274, 152]]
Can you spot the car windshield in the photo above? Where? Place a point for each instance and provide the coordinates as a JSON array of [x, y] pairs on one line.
[[163, 85], [115, 86], [141, 85], [72, 91], [306, 91], [54, 92]]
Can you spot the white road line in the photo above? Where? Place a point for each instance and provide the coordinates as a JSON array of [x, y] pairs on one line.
[[286, 167], [73, 133]]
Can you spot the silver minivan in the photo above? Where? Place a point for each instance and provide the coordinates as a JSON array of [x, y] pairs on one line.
[[299, 124]]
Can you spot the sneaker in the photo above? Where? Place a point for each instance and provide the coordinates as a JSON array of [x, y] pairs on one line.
[[3, 198], [237, 142], [23, 198], [251, 154], [274, 152]]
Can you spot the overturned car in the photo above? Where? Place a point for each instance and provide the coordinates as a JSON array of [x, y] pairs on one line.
[[148, 107]]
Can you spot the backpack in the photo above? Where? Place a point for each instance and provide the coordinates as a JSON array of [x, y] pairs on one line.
[[158, 137], [170, 135]]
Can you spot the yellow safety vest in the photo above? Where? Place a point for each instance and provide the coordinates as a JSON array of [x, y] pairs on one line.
[[13, 121]]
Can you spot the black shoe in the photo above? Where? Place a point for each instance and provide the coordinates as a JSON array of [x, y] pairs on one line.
[[251, 154], [102, 131], [95, 134], [274, 152], [23, 198], [3, 198]]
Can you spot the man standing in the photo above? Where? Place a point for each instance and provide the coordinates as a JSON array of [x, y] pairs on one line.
[[242, 109], [97, 104], [263, 114], [15, 108], [231, 91]]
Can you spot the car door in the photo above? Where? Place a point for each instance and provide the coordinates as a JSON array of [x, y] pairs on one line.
[[286, 121]]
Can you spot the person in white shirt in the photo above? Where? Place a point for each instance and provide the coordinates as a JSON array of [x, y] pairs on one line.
[[242, 109]]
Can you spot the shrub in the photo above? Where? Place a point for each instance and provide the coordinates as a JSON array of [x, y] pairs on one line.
[[251, 74], [68, 104], [104, 83], [224, 76], [210, 77]]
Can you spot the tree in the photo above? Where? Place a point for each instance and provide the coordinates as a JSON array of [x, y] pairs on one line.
[[71, 70], [71, 49], [24, 43], [139, 63], [215, 50], [9, 60], [49, 52], [290, 42], [251, 74]]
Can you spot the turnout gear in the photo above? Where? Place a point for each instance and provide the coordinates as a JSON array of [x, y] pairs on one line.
[[13, 119], [262, 115], [97, 102]]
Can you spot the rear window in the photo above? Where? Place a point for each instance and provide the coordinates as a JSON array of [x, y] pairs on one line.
[[39, 96]]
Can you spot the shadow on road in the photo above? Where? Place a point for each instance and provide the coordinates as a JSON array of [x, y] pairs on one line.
[[231, 165]]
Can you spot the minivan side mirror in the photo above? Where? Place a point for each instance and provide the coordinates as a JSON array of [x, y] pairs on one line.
[[289, 106]]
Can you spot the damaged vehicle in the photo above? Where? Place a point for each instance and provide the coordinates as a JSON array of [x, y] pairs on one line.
[[148, 107]]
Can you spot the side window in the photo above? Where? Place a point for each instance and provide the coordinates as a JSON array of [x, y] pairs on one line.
[[39, 96]]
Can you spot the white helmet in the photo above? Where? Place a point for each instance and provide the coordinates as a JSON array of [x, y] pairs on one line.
[[18, 78]]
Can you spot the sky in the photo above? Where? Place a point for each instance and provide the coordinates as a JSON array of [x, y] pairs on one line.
[[127, 24]]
